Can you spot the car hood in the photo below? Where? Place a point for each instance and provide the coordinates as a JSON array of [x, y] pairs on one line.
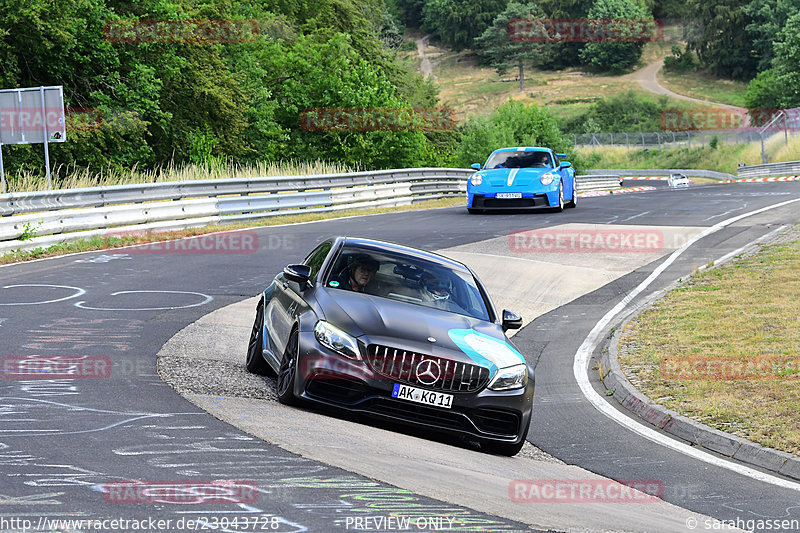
[[510, 177], [376, 320]]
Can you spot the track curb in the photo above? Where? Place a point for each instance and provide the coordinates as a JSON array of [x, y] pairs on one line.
[[677, 425]]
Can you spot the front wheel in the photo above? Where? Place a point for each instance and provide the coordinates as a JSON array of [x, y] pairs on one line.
[[504, 448], [560, 207], [574, 201], [255, 362], [288, 371]]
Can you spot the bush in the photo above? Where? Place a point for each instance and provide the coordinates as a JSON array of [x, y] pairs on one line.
[[513, 124], [680, 61]]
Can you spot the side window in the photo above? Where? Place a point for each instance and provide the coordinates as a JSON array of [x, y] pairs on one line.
[[317, 257]]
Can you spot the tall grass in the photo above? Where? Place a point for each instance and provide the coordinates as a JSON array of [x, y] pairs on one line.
[[86, 177], [724, 158]]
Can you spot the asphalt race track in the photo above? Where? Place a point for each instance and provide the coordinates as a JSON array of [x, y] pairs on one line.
[[73, 448]]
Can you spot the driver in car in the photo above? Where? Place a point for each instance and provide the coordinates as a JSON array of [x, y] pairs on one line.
[[358, 275]]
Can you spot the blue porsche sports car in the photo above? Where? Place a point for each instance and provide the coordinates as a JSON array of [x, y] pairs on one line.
[[522, 178]]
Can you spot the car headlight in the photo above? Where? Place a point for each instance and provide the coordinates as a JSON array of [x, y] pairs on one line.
[[337, 340], [548, 178], [476, 180], [513, 377]]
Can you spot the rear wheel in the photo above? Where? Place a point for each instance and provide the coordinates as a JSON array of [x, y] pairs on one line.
[[255, 362], [288, 371]]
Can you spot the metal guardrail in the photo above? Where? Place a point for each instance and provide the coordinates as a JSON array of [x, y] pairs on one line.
[[597, 182], [791, 168], [690, 172], [39, 219]]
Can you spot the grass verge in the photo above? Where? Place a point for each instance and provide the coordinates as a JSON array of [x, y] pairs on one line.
[[723, 348], [117, 241], [723, 158], [704, 87]]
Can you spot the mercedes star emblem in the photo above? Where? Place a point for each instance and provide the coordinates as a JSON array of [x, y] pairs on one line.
[[428, 372]]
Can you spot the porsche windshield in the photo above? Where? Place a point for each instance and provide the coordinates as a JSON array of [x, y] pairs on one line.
[[408, 279], [519, 159]]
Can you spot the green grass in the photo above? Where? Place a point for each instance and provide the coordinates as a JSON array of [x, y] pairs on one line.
[[705, 87], [723, 348], [724, 158]]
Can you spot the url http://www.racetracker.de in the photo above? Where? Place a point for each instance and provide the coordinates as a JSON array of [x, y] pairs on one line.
[[199, 523]]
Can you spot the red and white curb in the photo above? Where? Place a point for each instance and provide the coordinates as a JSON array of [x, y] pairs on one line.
[[590, 194], [763, 180], [654, 178]]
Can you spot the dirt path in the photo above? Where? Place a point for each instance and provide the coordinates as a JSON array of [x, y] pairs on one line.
[[425, 66], [648, 79]]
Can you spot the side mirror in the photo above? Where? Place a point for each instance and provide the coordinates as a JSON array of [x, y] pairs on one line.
[[298, 273], [476, 166], [511, 320], [566, 164]]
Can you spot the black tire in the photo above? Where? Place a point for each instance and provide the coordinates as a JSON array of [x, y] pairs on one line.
[[574, 201], [560, 207], [504, 448], [255, 362], [473, 211], [288, 371]]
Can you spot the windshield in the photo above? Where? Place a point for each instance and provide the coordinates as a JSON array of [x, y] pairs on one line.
[[407, 279], [519, 159]]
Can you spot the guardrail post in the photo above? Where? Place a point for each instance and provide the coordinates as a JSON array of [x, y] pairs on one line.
[[627, 141], [643, 146], [658, 136]]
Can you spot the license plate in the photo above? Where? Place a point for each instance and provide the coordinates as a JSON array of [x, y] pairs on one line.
[[413, 394], [509, 195]]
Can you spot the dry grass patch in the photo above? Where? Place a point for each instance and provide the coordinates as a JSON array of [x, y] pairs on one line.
[[724, 348]]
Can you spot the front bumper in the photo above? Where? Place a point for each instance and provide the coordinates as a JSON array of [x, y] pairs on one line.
[[327, 378]]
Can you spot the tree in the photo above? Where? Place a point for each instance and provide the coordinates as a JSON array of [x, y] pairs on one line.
[[458, 22], [779, 87], [620, 55], [766, 19], [502, 50], [718, 38]]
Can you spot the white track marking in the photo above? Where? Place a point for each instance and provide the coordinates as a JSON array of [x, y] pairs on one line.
[[79, 292], [582, 356], [206, 299]]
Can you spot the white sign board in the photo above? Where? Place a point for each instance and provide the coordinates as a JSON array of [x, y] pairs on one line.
[[25, 119]]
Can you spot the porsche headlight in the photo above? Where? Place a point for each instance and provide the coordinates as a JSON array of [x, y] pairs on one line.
[[548, 178], [337, 340], [476, 180], [513, 377]]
